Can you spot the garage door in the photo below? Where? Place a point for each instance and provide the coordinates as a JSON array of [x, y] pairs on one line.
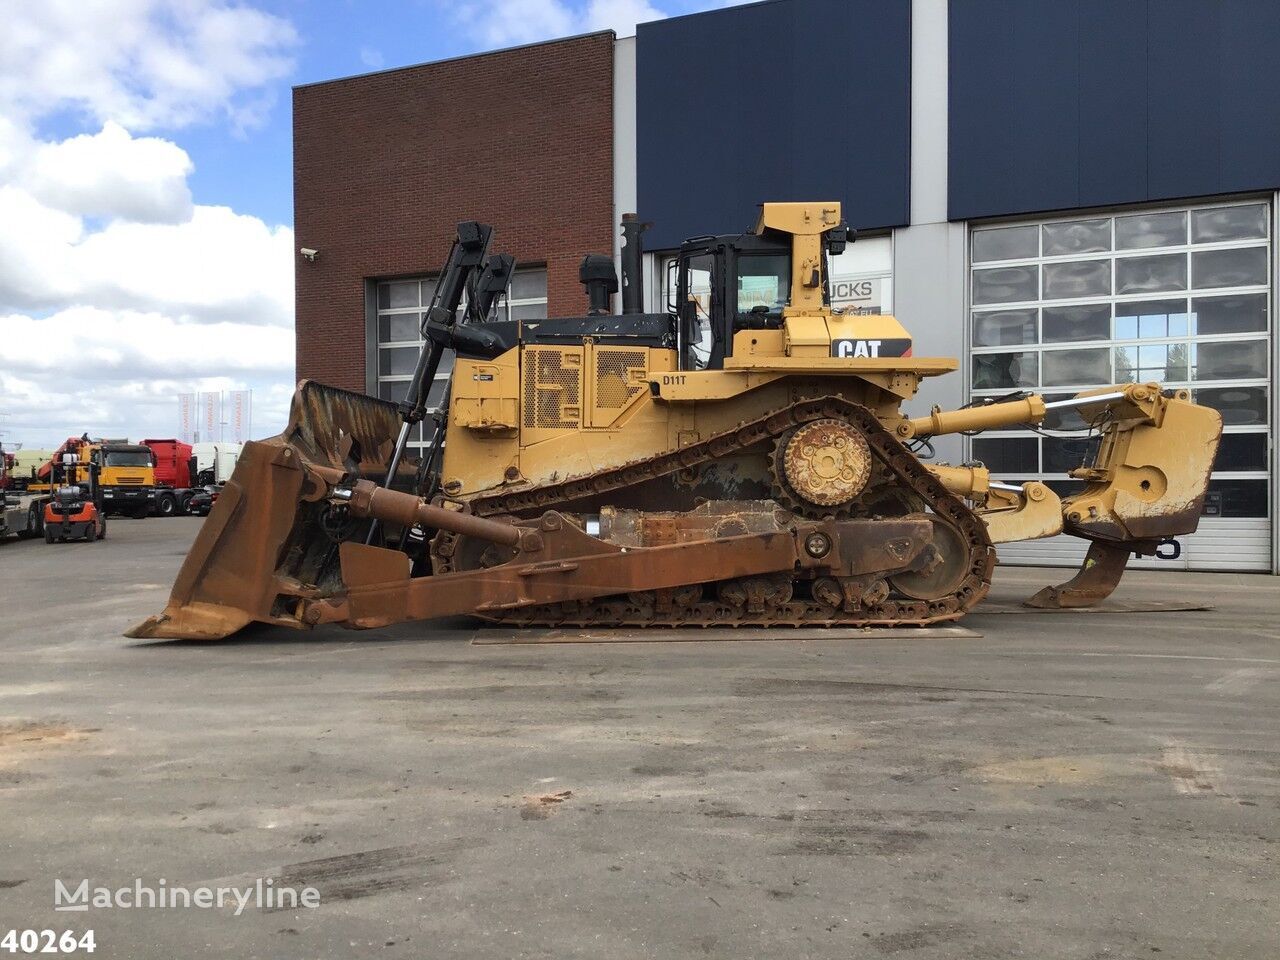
[[1181, 296]]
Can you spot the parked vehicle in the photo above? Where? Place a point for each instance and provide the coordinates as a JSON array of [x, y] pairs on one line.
[[23, 466], [215, 462], [203, 499], [126, 473], [175, 477], [742, 459], [74, 510], [21, 513]]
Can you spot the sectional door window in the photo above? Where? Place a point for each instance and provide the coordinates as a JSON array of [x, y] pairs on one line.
[[1179, 296]]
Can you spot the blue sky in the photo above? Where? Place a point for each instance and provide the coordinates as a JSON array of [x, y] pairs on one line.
[[146, 186], [251, 170]]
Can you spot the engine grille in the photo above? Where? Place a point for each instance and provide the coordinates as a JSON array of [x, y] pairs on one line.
[[613, 387], [552, 389]]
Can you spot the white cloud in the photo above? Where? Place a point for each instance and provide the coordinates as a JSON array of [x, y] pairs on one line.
[[217, 266], [620, 16], [111, 174], [507, 22], [117, 291], [105, 323], [122, 345], [119, 373], [142, 63], [35, 247], [41, 412]]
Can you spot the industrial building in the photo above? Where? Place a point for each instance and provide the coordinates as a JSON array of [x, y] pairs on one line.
[[1062, 195]]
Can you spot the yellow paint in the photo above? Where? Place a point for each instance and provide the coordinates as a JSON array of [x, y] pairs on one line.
[[543, 413], [806, 222]]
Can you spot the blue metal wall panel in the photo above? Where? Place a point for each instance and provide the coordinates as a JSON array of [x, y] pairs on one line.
[[1112, 102], [1184, 97], [1058, 104], [1043, 67], [982, 139], [784, 100], [1250, 118]]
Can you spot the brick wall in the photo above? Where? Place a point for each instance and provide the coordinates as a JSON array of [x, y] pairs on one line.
[[386, 165]]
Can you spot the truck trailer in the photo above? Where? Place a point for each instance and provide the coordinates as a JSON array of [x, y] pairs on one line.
[[21, 513], [215, 462]]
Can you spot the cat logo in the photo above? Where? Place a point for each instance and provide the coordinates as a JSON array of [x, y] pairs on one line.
[[858, 349]]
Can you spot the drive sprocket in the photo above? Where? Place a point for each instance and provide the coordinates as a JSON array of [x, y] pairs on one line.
[[821, 467]]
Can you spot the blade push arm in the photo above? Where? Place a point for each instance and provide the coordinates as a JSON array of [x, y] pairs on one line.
[[1140, 400], [553, 560]]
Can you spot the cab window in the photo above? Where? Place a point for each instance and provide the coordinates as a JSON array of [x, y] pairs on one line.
[[128, 458], [700, 336], [764, 283]]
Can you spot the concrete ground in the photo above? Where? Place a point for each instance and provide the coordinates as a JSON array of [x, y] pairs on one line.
[[1074, 785]]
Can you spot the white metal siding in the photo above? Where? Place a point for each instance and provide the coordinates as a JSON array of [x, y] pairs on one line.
[[1219, 544]]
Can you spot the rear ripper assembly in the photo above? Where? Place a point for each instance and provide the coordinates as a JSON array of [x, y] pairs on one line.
[[737, 461]]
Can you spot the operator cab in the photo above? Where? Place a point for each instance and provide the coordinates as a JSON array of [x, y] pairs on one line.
[[736, 282], [718, 285]]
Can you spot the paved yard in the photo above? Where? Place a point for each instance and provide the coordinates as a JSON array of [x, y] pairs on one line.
[[1065, 785]]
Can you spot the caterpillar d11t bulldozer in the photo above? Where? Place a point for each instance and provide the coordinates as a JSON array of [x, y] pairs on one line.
[[740, 459]]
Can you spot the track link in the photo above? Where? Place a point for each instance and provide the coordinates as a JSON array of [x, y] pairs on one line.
[[683, 608]]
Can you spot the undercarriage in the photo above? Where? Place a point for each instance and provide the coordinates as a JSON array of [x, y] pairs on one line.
[[924, 557]]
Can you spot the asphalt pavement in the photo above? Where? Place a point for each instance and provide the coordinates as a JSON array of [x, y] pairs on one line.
[[1076, 785]]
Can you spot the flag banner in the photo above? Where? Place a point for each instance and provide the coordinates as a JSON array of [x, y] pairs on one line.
[[186, 417], [241, 415], [210, 417]]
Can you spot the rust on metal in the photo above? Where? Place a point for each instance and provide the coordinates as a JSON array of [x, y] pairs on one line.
[[1098, 576], [714, 520], [265, 544], [569, 565], [825, 463], [873, 607], [368, 499], [946, 567]]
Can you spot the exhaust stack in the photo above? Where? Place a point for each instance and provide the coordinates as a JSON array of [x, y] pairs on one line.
[[632, 263]]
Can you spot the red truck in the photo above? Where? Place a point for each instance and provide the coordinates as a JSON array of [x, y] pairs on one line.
[[175, 473]]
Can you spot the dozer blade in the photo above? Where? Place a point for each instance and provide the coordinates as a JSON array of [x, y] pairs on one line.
[[264, 547]]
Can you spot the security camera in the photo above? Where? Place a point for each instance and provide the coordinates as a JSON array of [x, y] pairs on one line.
[[309, 255]]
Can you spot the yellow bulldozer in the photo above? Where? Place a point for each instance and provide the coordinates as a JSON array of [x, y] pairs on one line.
[[739, 459]]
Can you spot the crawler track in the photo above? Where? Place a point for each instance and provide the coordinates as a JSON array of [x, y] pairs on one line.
[[761, 601]]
